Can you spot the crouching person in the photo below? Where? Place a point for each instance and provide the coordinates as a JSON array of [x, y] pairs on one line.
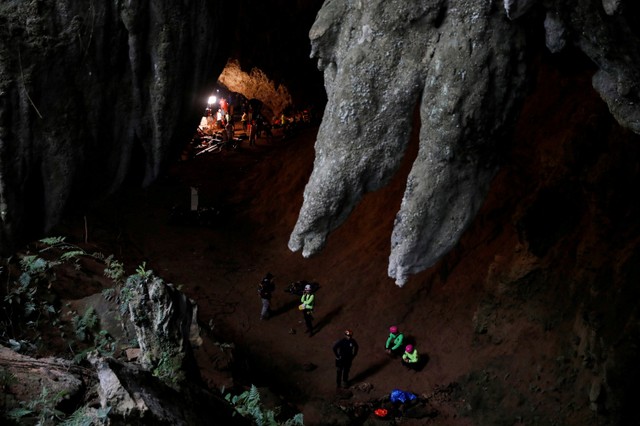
[[410, 358]]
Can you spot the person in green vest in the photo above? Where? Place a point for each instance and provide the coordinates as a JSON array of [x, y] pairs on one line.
[[394, 342], [410, 357], [307, 302]]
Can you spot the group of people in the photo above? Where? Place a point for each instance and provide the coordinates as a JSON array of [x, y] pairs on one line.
[[307, 301], [395, 346], [345, 349]]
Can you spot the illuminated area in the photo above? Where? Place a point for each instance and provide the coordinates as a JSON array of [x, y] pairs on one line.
[[256, 85]]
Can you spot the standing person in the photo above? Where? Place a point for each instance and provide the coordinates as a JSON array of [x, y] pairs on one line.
[[243, 119], [253, 130], [265, 289], [410, 357], [345, 351], [307, 301], [394, 341], [230, 131]]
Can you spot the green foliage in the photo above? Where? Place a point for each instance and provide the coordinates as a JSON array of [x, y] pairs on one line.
[[85, 416], [83, 325], [126, 294], [169, 368], [28, 298], [104, 343], [43, 408], [143, 272], [53, 241], [108, 293], [248, 405], [114, 270], [73, 254], [23, 305]]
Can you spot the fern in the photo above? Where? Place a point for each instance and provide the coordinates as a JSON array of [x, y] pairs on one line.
[[34, 265], [85, 416], [143, 271], [114, 270], [85, 324], [248, 405], [43, 406], [72, 254], [52, 241]]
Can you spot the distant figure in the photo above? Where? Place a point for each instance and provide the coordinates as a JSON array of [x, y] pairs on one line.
[[243, 119], [228, 128], [265, 129], [345, 351], [223, 134], [265, 289], [410, 357], [394, 342], [307, 301], [253, 129]]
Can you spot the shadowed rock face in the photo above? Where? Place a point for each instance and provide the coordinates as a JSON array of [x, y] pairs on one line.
[[88, 89], [463, 63]]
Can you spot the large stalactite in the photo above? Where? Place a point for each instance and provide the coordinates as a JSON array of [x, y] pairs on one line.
[[464, 63]]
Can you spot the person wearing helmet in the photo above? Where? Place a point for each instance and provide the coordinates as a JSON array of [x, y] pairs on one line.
[[265, 289], [307, 302], [410, 357], [345, 351], [394, 341]]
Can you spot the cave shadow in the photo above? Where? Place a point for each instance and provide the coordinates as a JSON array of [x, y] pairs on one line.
[[326, 319], [372, 369], [284, 308], [421, 364]]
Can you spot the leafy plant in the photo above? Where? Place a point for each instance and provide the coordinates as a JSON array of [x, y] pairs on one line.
[[83, 325], [42, 408], [114, 270], [143, 272], [85, 416], [104, 343], [169, 368], [248, 404]]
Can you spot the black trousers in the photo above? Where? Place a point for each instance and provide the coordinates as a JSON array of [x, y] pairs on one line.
[[308, 319], [343, 366]]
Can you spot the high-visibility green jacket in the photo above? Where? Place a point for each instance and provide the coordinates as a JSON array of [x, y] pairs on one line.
[[307, 300], [410, 357], [395, 340]]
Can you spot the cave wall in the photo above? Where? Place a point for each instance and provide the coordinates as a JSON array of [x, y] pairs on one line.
[[95, 94]]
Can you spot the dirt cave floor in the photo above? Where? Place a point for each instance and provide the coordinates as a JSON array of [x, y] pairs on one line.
[[253, 196]]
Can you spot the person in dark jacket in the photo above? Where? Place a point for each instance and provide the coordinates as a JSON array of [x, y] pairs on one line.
[[345, 351], [265, 289]]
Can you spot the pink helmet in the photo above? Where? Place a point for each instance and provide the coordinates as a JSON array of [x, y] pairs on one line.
[[409, 348], [393, 329]]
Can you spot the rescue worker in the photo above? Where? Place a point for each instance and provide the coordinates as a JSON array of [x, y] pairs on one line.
[[307, 302], [243, 119], [345, 351], [410, 357], [394, 341]]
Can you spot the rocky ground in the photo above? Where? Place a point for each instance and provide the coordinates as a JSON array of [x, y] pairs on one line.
[[497, 325], [482, 357]]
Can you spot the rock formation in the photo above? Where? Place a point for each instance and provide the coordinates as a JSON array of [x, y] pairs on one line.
[[465, 64], [87, 91]]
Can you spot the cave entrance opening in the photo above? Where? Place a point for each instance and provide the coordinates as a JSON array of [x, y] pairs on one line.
[[243, 108]]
